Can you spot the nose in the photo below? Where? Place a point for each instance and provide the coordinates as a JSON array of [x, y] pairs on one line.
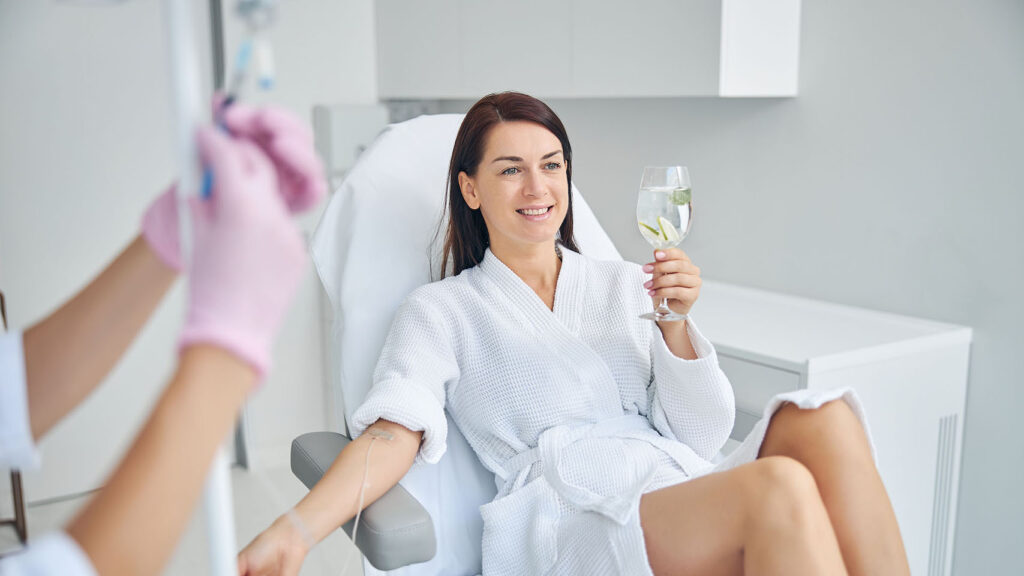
[[534, 185]]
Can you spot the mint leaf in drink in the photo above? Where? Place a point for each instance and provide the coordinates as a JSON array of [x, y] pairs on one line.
[[681, 196]]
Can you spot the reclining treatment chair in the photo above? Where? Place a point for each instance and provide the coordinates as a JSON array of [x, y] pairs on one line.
[[376, 242]]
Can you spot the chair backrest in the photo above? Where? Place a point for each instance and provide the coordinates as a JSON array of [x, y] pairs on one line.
[[377, 241]]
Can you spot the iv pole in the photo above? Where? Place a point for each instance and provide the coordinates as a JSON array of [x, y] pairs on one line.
[[188, 108], [242, 457]]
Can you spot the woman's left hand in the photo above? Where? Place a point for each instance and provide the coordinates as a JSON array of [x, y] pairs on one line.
[[674, 277]]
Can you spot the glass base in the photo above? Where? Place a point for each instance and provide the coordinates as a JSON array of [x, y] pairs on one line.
[[662, 316]]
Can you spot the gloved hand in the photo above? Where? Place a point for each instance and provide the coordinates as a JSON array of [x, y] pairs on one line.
[[248, 257], [288, 142], [281, 136]]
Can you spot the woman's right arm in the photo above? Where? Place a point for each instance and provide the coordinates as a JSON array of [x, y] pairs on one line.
[[334, 500], [417, 365]]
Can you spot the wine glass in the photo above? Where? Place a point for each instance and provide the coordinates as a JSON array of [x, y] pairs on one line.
[[663, 214]]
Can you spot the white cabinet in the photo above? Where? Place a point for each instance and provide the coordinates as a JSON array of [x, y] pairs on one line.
[[440, 49], [911, 375]]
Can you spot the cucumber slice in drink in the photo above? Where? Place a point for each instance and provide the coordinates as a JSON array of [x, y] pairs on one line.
[[681, 196], [649, 228], [668, 231], [650, 234]]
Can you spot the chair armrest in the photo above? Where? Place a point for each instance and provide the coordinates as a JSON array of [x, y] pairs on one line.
[[394, 531]]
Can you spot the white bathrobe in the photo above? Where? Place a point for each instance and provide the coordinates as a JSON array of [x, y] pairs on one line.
[[578, 411]]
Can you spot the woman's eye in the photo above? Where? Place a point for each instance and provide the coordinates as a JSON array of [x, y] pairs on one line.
[[510, 171], [553, 165]]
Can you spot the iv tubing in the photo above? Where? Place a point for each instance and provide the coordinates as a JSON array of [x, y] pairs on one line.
[[374, 434]]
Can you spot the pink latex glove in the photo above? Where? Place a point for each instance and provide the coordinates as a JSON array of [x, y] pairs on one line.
[[288, 142], [248, 258], [281, 136]]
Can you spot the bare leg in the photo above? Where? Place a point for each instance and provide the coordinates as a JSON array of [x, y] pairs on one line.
[[831, 443], [765, 517]]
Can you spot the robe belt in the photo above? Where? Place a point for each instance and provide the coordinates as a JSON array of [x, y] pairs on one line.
[[548, 453]]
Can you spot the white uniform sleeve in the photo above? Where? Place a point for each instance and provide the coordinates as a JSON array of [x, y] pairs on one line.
[[416, 365], [691, 400], [16, 447], [55, 554]]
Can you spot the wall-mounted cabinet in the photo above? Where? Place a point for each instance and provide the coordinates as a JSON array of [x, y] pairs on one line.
[[462, 49]]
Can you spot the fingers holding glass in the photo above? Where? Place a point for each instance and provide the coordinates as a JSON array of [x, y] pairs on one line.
[[680, 290], [664, 210]]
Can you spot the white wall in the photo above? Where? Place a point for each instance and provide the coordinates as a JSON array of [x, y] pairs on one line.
[[85, 144], [891, 182]]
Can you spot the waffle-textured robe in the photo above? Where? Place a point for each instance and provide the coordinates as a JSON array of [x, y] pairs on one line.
[[578, 411]]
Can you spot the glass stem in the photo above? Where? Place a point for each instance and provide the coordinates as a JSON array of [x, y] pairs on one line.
[[664, 306]]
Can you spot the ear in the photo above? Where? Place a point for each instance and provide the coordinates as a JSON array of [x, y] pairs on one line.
[[468, 189]]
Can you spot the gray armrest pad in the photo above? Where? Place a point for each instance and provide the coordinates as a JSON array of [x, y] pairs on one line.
[[394, 531]]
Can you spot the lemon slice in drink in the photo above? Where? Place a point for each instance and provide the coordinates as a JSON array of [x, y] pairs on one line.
[[652, 235], [668, 231]]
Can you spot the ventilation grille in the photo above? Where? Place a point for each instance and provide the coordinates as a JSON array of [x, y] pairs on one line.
[[944, 478]]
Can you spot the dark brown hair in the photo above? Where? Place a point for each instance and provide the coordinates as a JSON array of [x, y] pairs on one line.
[[466, 237]]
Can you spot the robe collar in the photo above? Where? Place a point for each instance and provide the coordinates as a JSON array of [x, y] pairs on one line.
[[560, 328], [568, 288]]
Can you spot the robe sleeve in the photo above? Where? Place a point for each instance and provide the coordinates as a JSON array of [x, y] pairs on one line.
[[415, 367], [692, 401], [55, 553], [17, 450]]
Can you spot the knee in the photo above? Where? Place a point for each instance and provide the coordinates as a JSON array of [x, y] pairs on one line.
[[784, 494], [834, 423], [784, 477], [832, 412], [837, 413], [838, 427]]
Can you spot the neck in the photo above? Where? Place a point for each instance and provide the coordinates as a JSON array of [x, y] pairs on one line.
[[536, 264]]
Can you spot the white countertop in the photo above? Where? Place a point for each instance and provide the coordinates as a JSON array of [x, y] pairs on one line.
[[804, 335]]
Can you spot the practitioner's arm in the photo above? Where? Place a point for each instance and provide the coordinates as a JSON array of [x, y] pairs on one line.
[[68, 353], [132, 525], [244, 238], [334, 500]]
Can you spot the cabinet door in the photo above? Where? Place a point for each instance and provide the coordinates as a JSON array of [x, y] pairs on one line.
[[438, 49], [646, 47], [524, 46], [418, 49], [754, 385]]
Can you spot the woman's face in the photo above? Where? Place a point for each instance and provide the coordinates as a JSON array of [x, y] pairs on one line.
[[520, 185]]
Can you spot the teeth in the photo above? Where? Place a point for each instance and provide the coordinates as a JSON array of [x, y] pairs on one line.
[[536, 212]]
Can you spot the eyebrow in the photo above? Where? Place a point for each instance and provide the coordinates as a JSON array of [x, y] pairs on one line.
[[518, 159]]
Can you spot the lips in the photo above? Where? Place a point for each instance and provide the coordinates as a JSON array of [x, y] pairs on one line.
[[534, 211]]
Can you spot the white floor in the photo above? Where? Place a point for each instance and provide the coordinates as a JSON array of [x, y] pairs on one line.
[[259, 498]]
